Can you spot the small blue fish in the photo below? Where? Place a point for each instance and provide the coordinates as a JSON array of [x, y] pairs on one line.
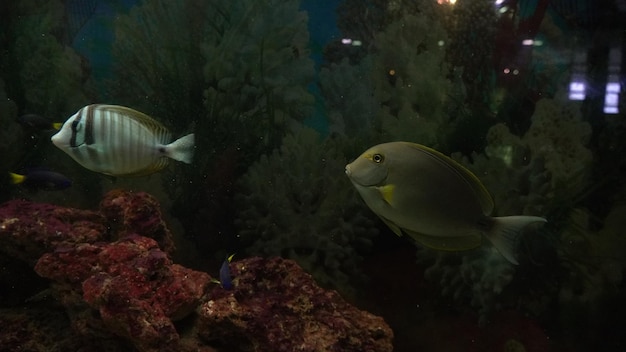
[[41, 179], [225, 279]]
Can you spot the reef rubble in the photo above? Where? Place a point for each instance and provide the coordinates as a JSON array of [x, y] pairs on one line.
[[276, 306], [110, 272]]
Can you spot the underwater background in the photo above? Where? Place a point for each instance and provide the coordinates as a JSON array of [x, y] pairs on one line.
[[281, 95]]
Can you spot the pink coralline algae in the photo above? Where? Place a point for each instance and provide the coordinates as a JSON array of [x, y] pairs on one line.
[[28, 230], [136, 212], [106, 267], [276, 306], [112, 272], [136, 289]]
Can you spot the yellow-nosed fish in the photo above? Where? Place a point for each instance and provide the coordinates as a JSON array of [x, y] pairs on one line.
[[419, 191], [36, 122], [119, 141], [41, 179], [225, 279]]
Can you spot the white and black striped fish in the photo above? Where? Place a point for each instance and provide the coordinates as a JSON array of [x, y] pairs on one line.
[[119, 141]]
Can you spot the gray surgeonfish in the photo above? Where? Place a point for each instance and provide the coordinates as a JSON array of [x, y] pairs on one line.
[[119, 141], [418, 191]]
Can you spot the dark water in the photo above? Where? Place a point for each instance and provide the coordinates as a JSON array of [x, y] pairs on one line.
[[528, 95]]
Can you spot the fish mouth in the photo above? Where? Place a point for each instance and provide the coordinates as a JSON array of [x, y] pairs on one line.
[[348, 171], [369, 179], [56, 140]]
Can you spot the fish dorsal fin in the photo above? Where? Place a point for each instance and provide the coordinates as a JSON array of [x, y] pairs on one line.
[[138, 116], [483, 196], [458, 243]]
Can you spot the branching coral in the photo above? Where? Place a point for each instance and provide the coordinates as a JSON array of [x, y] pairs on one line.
[[593, 259], [410, 92], [347, 92], [410, 81], [259, 69], [159, 77], [39, 74], [297, 204], [518, 182], [234, 71], [473, 33], [50, 73], [479, 278], [546, 168], [559, 135], [253, 58]]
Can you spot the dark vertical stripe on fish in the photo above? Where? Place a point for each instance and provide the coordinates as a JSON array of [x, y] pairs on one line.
[[89, 126], [74, 124]]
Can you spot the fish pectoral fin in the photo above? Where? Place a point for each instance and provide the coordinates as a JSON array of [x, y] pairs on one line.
[[386, 192], [457, 243], [392, 226]]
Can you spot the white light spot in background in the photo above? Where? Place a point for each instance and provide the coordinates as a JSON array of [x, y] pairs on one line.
[[577, 90], [611, 98]]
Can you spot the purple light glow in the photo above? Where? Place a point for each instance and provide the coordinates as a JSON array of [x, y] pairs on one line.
[[577, 90]]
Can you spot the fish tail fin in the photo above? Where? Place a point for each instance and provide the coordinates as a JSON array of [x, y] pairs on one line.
[[182, 149], [16, 178], [505, 231]]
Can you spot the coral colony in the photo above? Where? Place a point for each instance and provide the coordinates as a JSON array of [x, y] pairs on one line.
[[112, 272]]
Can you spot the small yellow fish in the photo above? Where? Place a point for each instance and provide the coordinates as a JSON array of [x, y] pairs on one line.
[[419, 191]]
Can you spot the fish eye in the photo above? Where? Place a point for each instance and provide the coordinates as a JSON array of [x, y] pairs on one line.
[[378, 158]]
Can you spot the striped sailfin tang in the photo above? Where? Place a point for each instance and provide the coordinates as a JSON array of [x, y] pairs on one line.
[[89, 139], [119, 141], [127, 139], [83, 136], [137, 135]]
